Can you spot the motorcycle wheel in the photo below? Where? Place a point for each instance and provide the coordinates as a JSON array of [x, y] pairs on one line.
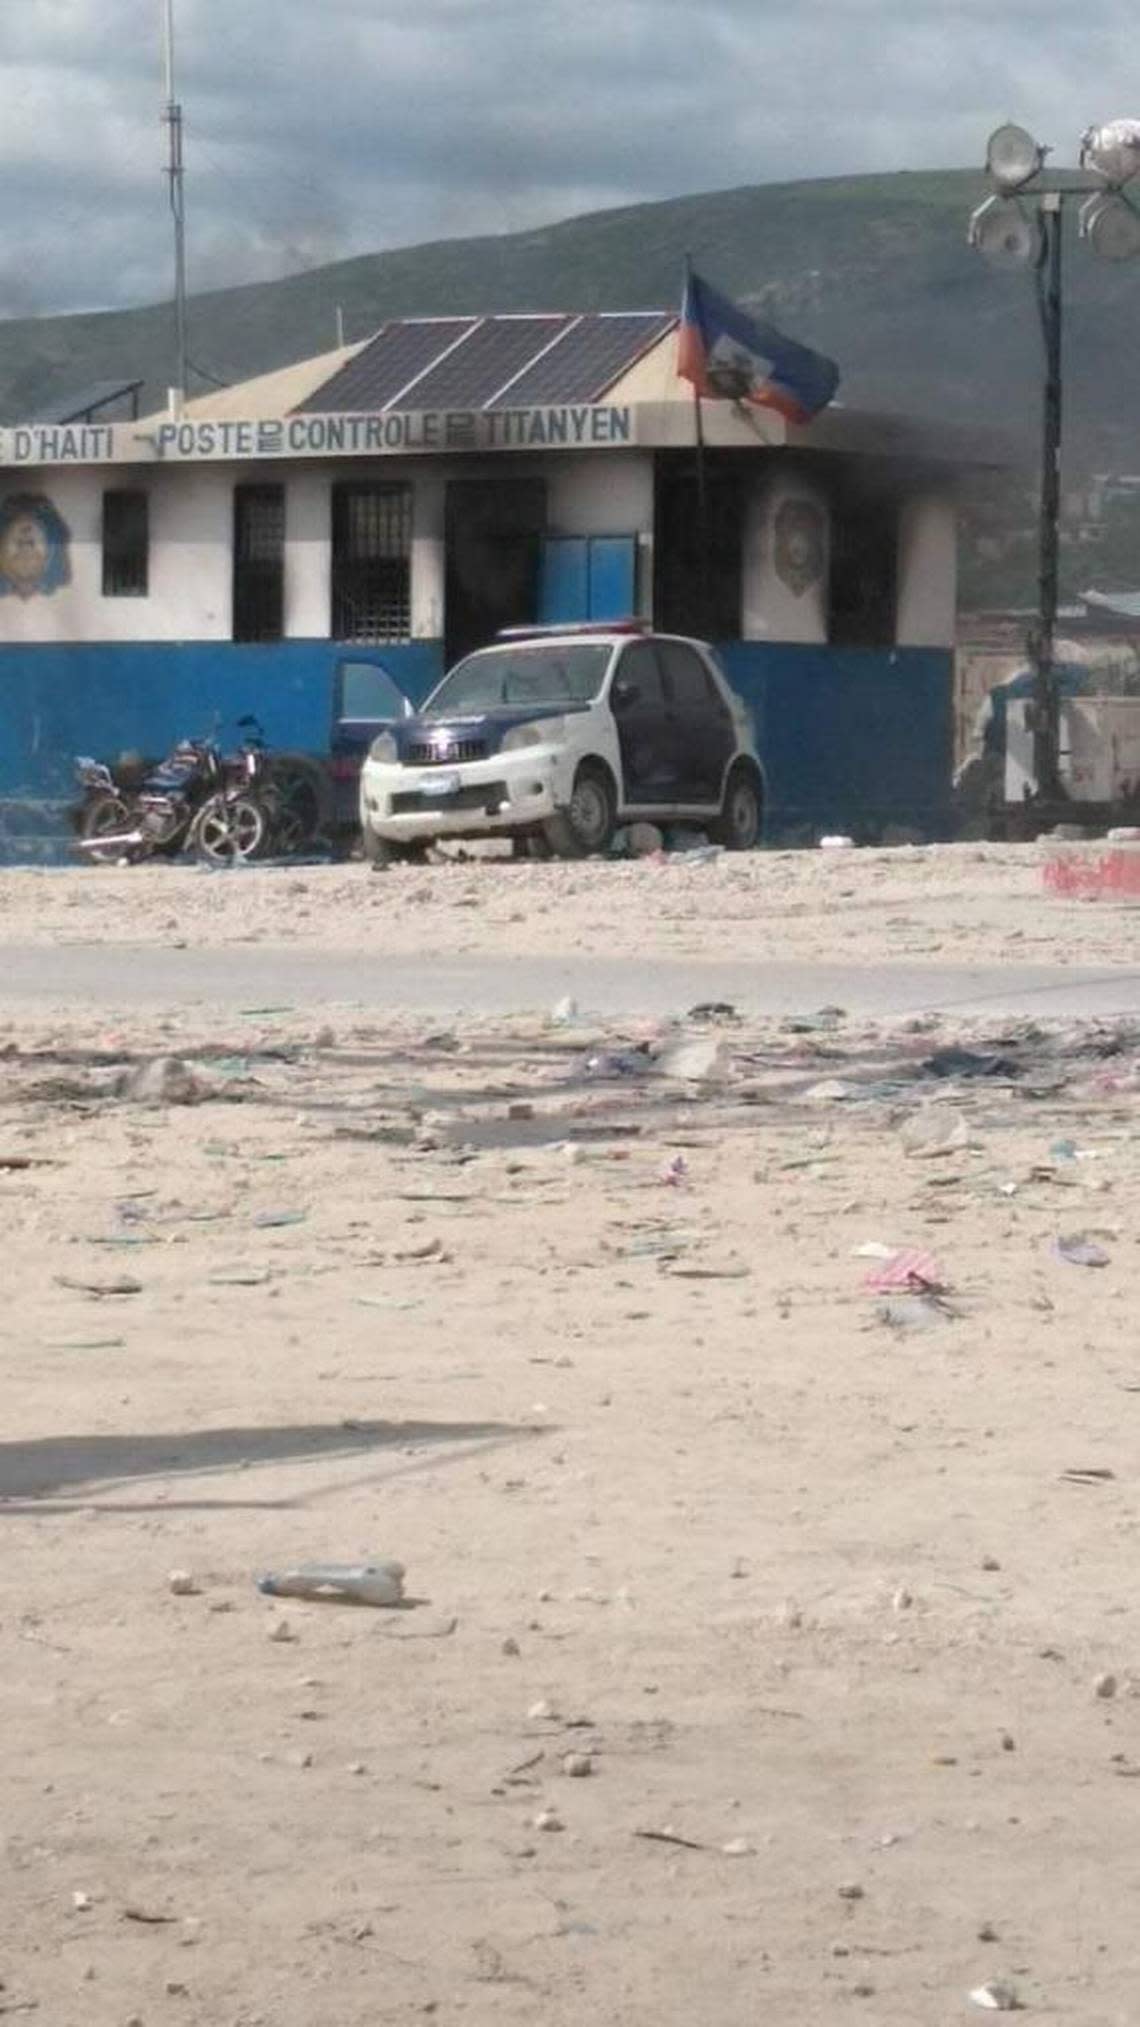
[[105, 816], [297, 814], [230, 830]]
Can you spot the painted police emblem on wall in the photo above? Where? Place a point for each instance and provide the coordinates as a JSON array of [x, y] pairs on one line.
[[799, 542], [34, 547]]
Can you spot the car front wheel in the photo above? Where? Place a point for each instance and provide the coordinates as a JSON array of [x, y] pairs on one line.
[[586, 826], [380, 853], [738, 826]]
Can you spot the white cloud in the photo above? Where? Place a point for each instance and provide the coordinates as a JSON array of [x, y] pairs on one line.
[[314, 132]]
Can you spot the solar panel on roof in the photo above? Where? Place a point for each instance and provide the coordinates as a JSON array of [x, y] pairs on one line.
[[379, 374], [476, 371], [594, 352]]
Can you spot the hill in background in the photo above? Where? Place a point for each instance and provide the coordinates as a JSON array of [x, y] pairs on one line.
[[874, 270]]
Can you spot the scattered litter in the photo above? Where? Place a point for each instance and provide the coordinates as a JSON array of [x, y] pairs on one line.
[[147, 1918], [911, 1271], [714, 1011], [694, 1271], [371, 1583], [837, 844], [271, 1221], [696, 854], [1090, 1474], [668, 1836], [831, 1091], [913, 1312], [239, 1277], [548, 1819], [578, 1766], [1079, 1251], [955, 1062], [81, 1902], [564, 1013], [676, 1172], [738, 1847], [931, 1131], [181, 1584], [166, 1081], [874, 1249], [541, 1710], [281, 1633], [690, 1060], [119, 1284], [996, 1998], [614, 1063]]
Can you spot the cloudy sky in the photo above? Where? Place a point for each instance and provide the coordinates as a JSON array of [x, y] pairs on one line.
[[321, 128]]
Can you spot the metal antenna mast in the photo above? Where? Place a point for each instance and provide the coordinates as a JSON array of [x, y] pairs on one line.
[[172, 119]]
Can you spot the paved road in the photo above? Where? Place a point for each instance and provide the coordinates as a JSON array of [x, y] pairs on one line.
[[119, 976]]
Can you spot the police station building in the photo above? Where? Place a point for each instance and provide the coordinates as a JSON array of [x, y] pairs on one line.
[[306, 544]]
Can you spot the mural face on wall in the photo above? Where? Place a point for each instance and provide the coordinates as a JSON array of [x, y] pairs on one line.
[[799, 545], [34, 540]]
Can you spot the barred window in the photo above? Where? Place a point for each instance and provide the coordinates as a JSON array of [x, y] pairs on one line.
[[259, 562], [126, 544], [371, 562]]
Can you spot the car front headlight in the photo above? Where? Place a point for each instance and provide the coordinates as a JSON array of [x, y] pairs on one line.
[[383, 748], [541, 732]]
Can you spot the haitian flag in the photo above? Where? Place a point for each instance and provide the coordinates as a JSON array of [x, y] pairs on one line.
[[729, 356]]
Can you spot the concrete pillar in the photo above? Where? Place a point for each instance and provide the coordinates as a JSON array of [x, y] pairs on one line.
[[785, 561], [308, 555], [927, 572], [428, 557]]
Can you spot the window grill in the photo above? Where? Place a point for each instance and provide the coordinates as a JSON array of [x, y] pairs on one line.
[[259, 562], [371, 567], [126, 544]]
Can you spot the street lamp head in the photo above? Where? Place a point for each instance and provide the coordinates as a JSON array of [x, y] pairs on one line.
[[1112, 152], [1003, 234], [1013, 158], [1111, 225]]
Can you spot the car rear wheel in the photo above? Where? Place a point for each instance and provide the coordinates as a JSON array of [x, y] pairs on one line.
[[586, 825], [737, 827]]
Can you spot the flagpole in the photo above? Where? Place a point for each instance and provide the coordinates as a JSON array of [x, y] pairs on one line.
[[702, 490]]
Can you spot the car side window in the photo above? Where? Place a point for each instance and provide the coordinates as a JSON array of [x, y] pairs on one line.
[[689, 684], [366, 692], [639, 667]]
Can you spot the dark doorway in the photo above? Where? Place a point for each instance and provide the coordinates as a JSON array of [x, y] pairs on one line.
[[697, 556], [493, 532], [864, 559]]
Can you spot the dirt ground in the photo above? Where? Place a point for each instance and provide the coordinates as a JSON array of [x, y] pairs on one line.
[[968, 903], [830, 1588]]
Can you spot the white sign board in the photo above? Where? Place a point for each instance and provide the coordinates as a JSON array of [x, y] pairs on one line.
[[394, 433]]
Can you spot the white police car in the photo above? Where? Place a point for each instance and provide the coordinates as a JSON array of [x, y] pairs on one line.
[[558, 735]]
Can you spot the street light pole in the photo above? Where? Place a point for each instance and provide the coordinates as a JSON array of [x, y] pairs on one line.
[[1006, 232], [1043, 636]]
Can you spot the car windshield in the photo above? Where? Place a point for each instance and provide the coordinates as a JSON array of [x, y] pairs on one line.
[[545, 674]]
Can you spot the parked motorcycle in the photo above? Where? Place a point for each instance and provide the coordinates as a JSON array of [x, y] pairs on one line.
[[226, 808], [155, 817]]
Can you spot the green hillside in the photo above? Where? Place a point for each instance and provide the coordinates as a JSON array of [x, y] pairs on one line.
[[874, 269]]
